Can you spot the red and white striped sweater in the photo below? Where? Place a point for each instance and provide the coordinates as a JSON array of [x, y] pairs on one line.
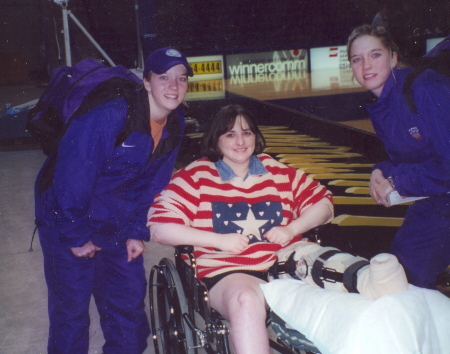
[[199, 198]]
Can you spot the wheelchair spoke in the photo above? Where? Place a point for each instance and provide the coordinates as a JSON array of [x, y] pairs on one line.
[[171, 334]]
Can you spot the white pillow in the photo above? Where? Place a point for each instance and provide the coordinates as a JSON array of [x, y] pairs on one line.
[[413, 321]]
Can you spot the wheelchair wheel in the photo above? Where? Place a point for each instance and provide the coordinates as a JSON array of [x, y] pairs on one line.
[[171, 334]]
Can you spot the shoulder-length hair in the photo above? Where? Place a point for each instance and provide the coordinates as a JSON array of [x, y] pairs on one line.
[[223, 122]]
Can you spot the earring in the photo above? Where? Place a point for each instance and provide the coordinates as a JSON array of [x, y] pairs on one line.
[[185, 104]]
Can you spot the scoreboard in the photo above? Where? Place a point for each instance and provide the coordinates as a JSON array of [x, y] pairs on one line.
[[208, 80]]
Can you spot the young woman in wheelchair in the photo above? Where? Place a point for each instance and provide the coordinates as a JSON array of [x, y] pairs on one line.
[[238, 207]]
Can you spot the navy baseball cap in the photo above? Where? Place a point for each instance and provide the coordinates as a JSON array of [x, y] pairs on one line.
[[163, 59]]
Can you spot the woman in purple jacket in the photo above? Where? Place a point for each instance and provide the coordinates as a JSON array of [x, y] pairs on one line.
[[91, 214], [418, 146]]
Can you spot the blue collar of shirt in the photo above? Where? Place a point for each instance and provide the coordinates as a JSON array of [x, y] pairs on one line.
[[255, 167]]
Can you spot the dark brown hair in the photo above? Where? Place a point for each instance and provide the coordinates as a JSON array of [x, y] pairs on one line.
[[222, 123]]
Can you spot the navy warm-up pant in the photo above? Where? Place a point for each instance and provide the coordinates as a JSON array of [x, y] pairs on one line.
[[422, 243], [118, 287]]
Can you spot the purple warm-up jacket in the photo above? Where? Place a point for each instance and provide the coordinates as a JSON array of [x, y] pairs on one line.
[[99, 189]]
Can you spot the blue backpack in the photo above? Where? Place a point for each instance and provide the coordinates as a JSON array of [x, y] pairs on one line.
[[73, 91], [437, 59]]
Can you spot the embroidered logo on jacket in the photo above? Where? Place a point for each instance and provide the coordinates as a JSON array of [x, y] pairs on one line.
[[414, 131], [253, 220]]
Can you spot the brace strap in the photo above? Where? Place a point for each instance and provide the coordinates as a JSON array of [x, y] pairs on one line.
[[319, 273], [287, 267], [350, 280]]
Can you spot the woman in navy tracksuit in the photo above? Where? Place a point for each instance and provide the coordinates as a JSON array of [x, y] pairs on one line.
[[418, 146], [92, 215]]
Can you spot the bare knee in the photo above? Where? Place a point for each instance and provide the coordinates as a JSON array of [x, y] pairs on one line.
[[238, 296], [246, 302]]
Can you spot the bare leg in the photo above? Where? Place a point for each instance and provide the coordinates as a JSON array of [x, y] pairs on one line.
[[240, 300]]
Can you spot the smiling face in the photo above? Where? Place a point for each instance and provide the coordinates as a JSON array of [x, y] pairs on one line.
[[371, 63], [237, 144], [166, 91]]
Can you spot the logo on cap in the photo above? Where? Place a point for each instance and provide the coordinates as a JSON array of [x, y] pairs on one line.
[[173, 53]]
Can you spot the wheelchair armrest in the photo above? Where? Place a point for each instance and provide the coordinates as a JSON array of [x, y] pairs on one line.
[[185, 249], [314, 234]]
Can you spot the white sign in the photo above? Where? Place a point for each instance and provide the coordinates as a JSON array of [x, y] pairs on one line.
[[431, 42], [329, 58], [267, 63], [326, 79]]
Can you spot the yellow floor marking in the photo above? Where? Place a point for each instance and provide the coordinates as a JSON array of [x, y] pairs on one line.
[[336, 164], [357, 190], [356, 220], [341, 200], [313, 169], [303, 157], [340, 182], [279, 131], [310, 160], [300, 137], [322, 156], [274, 127], [341, 175], [297, 150], [295, 143]]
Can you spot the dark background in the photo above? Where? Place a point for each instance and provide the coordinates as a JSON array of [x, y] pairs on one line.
[[32, 43]]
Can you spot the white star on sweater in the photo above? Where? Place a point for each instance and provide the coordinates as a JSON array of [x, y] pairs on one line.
[[250, 226]]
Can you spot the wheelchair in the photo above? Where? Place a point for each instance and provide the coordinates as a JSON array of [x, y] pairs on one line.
[[183, 322]]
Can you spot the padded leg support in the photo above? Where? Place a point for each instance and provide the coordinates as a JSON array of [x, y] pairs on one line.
[[332, 269], [385, 275]]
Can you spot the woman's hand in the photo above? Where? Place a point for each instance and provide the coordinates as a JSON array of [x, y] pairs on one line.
[[280, 234], [87, 250], [134, 248], [234, 243], [176, 234], [380, 188]]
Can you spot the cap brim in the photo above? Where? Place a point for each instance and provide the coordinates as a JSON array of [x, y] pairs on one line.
[[171, 64]]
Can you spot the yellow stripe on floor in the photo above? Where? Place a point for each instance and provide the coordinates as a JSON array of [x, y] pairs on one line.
[[357, 190], [343, 200], [297, 150], [272, 127], [299, 137], [341, 175], [322, 170], [356, 220], [333, 164], [296, 158], [278, 131], [296, 143], [306, 140], [340, 182]]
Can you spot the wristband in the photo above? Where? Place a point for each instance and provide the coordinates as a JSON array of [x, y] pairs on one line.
[[391, 182]]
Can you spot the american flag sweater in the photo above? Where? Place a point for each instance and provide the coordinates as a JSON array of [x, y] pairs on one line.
[[199, 198]]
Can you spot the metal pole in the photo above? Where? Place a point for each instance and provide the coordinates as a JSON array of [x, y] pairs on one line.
[[102, 52], [66, 36], [140, 63]]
